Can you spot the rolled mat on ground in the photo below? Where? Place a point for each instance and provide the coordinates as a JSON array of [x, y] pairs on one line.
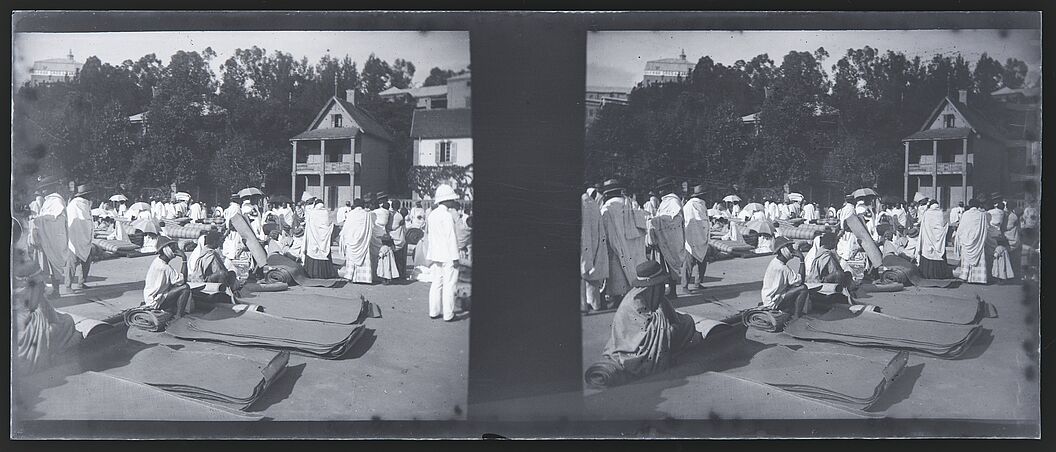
[[874, 329], [114, 246], [900, 270], [878, 286], [770, 320], [153, 320], [836, 378], [241, 225], [280, 268], [265, 287], [229, 380], [872, 251], [728, 246], [258, 329]]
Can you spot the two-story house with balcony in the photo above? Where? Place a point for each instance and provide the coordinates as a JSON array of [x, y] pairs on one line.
[[343, 155], [961, 152]]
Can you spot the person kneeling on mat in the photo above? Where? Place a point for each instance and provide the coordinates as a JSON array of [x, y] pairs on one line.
[[165, 287]]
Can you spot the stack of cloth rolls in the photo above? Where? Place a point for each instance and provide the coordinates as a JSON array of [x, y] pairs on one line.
[[228, 380]]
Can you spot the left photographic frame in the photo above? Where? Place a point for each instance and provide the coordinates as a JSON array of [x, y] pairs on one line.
[[240, 225]]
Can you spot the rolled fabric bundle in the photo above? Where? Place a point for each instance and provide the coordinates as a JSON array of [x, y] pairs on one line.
[[280, 268], [277, 286], [799, 233], [769, 320], [241, 225], [898, 269], [872, 251], [728, 246], [153, 320], [883, 286], [114, 246], [605, 374], [276, 275], [182, 232]]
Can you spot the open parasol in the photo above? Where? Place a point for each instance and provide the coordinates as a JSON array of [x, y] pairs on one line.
[[250, 191], [731, 198], [182, 196], [118, 198], [140, 206], [145, 225], [754, 206], [795, 197], [863, 192], [760, 226]]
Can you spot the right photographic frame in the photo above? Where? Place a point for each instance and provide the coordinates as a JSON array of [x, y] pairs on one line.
[[804, 225]]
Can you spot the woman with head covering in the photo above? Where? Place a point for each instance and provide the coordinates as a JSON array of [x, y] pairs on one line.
[[971, 237], [354, 243], [933, 229], [998, 246], [318, 232]]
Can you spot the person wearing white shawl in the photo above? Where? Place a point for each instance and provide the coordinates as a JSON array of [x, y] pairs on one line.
[[318, 232], [442, 254], [196, 212], [626, 234], [48, 234], [667, 231], [354, 242], [783, 211], [650, 205], [697, 233], [933, 229], [810, 212], [593, 253], [971, 238], [79, 232]]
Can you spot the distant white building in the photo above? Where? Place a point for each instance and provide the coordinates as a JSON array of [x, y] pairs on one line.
[[55, 70], [455, 94], [443, 138]]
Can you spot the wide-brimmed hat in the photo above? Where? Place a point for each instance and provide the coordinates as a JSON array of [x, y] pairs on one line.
[[780, 242], [664, 182], [444, 192], [163, 241], [650, 273], [698, 191], [46, 182], [85, 189], [380, 196], [610, 186]]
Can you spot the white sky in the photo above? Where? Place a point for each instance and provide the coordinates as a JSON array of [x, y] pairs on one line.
[[427, 49], [617, 58]]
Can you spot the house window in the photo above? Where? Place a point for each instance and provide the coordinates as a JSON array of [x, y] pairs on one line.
[[948, 120], [337, 121], [445, 152], [439, 103]]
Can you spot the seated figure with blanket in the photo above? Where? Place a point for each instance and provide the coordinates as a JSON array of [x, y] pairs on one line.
[[646, 331], [165, 288]]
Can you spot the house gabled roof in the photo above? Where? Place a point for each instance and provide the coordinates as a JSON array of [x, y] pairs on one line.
[[442, 123], [358, 117], [977, 120]]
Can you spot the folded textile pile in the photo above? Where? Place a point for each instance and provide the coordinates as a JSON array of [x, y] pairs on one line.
[[228, 380], [257, 329], [311, 307], [729, 246], [280, 268], [931, 308], [190, 231], [114, 246], [805, 232], [842, 379], [897, 269], [153, 320], [874, 329], [769, 320]]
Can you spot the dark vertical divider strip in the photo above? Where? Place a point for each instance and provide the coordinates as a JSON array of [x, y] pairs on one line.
[[525, 347]]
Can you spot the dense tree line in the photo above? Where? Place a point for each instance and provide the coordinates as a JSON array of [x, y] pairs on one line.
[[844, 129], [203, 130]]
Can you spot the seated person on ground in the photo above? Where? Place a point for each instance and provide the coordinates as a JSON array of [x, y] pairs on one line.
[[783, 287], [165, 287]]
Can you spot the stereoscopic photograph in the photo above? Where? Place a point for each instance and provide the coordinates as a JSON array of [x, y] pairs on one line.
[[812, 225], [240, 225]]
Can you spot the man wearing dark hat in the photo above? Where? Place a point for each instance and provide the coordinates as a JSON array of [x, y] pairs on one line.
[[646, 331], [667, 231], [698, 232], [166, 287], [48, 233], [626, 234], [79, 232]]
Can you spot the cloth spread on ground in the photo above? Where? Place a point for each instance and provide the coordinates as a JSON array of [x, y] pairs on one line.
[[225, 379], [769, 320], [280, 268], [646, 332], [311, 307], [838, 378], [933, 308], [898, 269], [257, 329], [153, 320], [874, 329], [250, 287]]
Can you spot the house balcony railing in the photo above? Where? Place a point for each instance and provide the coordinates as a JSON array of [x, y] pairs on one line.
[[941, 168], [331, 167]]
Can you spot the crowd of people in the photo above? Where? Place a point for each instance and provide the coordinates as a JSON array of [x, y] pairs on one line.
[[634, 256], [372, 236]]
